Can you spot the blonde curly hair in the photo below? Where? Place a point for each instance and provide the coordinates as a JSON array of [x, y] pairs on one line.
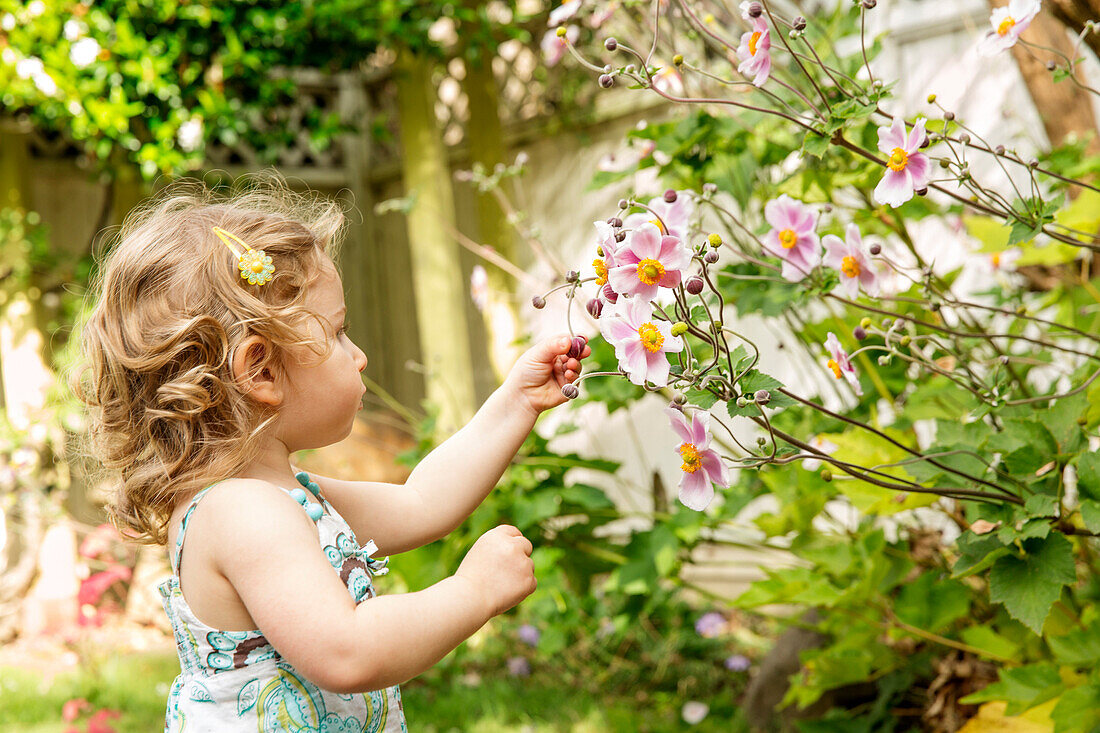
[[168, 308]]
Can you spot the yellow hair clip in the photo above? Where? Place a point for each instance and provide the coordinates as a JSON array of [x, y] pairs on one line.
[[255, 266]]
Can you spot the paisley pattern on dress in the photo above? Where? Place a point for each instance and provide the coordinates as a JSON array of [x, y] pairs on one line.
[[236, 681]]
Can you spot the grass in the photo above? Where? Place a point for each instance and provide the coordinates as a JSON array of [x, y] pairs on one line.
[[137, 686]]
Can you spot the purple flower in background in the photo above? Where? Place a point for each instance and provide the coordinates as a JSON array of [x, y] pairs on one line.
[[710, 624], [737, 663], [792, 237], [755, 53], [528, 634], [1008, 23], [519, 667], [907, 169], [852, 260]]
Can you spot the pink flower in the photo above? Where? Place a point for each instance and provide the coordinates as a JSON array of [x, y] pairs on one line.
[[669, 81], [72, 709], [648, 260], [852, 260], [563, 12], [792, 237], [554, 47], [840, 364], [94, 586], [671, 218], [98, 722], [640, 341], [599, 17], [99, 540], [755, 53], [907, 169], [1008, 23], [702, 466]]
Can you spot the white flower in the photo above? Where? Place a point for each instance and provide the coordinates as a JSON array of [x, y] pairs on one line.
[[29, 67], [84, 52], [7, 55], [36, 8], [694, 711], [75, 108], [479, 287], [45, 84], [74, 29], [190, 134], [7, 22]]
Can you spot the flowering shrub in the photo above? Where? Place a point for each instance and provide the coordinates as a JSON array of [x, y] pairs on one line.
[[972, 403]]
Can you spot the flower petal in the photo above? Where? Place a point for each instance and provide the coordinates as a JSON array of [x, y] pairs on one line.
[[716, 468], [920, 168], [892, 137], [894, 189], [696, 491], [679, 424], [657, 368], [645, 241]]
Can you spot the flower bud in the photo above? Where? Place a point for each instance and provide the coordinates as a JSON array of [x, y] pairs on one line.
[[615, 221], [875, 249], [623, 203], [595, 307], [763, 396], [869, 3], [606, 81], [631, 69], [679, 328], [761, 441], [945, 163], [884, 360], [904, 341], [694, 285], [570, 391], [886, 323], [609, 294], [608, 68], [923, 191], [610, 44], [1051, 66], [710, 188], [964, 138], [859, 332], [742, 402], [711, 257], [949, 115], [1033, 163], [538, 302], [999, 150], [620, 236], [560, 31], [715, 240], [1082, 421], [799, 23], [678, 399], [576, 347], [670, 196], [572, 276], [599, 250], [931, 98], [826, 475], [678, 60], [755, 10], [865, 323]]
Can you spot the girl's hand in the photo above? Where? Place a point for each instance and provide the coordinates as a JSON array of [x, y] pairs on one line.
[[540, 373]]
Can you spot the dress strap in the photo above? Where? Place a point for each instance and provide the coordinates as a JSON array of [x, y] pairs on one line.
[[174, 556]]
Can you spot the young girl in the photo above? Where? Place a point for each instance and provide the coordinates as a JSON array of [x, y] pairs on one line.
[[216, 348]]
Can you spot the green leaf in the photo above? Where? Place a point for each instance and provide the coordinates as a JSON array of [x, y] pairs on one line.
[[1042, 505], [1090, 514], [932, 603], [1021, 687], [976, 553], [815, 144], [1088, 476], [1023, 232], [1079, 648], [989, 641], [753, 381], [1078, 710], [701, 397], [1028, 586]]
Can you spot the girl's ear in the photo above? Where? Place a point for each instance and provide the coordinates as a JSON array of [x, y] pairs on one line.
[[253, 379]]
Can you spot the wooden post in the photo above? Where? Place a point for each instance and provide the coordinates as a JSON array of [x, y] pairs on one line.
[[437, 276], [485, 138]]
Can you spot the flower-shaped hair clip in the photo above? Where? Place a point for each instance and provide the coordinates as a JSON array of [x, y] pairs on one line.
[[255, 266]]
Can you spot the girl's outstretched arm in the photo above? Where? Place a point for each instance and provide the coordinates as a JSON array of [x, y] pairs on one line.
[[455, 478], [269, 552]]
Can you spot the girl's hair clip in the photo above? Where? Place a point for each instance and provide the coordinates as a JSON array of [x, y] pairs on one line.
[[255, 266]]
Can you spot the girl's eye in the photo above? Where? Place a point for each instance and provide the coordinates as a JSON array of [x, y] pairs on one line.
[[343, 329]]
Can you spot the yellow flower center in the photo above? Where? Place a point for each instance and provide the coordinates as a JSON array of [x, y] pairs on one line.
[[996, 258], [652, 339], [692, 460], [657, 223], [898, 160], [849, 266], [601, 271], [650, 271], [1006, 25], [835, 367], [788, 238], [753, 40]]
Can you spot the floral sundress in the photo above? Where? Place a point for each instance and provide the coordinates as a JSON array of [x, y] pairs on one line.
[[236, 681]]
